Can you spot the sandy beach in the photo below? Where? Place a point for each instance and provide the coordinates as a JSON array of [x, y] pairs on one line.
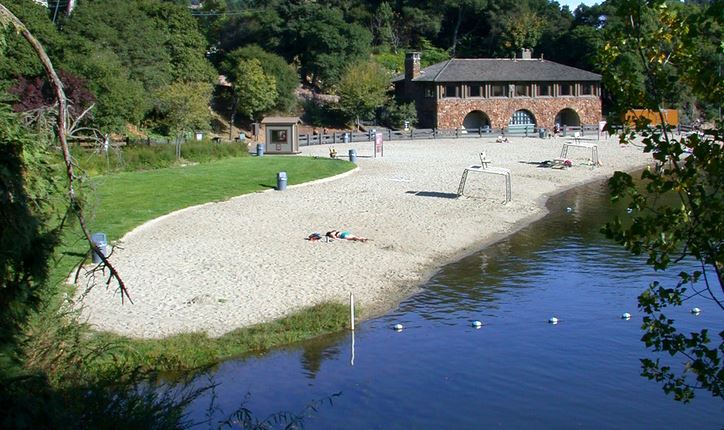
[[225, 265]]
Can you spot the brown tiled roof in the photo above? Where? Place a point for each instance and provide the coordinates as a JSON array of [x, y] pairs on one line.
[[281, 120], [500, 69]]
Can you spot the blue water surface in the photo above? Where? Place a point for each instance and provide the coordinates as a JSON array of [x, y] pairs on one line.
[[516, 372]]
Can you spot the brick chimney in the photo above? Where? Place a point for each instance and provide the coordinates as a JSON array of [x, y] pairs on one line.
[[525, 54], [412, 65]]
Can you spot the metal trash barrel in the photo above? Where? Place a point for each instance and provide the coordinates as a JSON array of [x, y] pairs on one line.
[[281, 181], [353, 155], [259, 149], [99, 240], [542, 133]]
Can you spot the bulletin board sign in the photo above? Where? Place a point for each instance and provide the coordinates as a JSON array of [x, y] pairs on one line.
[[379, 147]]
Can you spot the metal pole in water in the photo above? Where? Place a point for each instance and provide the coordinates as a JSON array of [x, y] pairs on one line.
[[351, 310]]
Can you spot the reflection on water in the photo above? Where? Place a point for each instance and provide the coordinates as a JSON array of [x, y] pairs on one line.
[[516, 371]]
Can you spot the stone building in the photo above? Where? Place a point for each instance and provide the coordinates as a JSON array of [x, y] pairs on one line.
[[499, 93]]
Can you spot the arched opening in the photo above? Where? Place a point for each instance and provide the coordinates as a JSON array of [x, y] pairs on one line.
[[476, 120], [568, 117], [522, 117]]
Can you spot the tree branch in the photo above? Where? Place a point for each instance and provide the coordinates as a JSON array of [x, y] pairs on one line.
[[7, 17]]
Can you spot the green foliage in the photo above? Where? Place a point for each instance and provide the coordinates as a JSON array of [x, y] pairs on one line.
[[362, 90], [394, 62], [430, 55], [384, 26], [125, 28], [29, 230], [17, 57], [395, 114], [256, 90], [120, 99], [523, 29], [318, 113], [325, 43], [184, 106], [184, 42], [660, 40], [287, 79]]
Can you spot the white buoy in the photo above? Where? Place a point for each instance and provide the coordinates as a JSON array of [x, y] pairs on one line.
[[626, 316], [477, 324], [569, 210], [629, 210], [696, 311], [553, 320], [398, 327]]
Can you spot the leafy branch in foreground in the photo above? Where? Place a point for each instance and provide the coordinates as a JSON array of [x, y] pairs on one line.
[[678, 213]]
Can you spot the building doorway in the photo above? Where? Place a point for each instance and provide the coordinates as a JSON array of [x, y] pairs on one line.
[[568, 117], [522, 117], [476, 120]]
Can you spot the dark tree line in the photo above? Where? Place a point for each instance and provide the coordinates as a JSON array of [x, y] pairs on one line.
[[129, 52]]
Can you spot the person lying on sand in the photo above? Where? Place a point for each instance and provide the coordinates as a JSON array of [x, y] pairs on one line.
[[336, 234], [314, 237], [502, 139]]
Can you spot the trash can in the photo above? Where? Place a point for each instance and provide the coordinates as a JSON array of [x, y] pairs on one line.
[[345, 137], [353, 155], [99, 240], [281, 181], [259, 149], [542, 133]]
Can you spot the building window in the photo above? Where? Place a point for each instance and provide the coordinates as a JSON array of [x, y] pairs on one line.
[[450, 91], [475, 91], [566, 90], [498, 90], [545, 90], [588, 89], [522, 90], [430, 92], [279, 136]]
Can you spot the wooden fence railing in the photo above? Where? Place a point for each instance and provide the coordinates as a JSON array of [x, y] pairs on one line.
[[437, 133]]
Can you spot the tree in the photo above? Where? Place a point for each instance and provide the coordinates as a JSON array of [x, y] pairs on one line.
[[362, 89], [120, 98], [254, 90], [523, 29], [184, 43], [665, 44], [287, 79], [18, 58], [324, 43], [184, 106], [126, 29], [461, 10], [384, 28]]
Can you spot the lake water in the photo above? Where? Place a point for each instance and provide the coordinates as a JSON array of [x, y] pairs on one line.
[[517, 371]]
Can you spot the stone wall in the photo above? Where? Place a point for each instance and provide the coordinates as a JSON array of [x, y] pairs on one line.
[[451, 112]]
